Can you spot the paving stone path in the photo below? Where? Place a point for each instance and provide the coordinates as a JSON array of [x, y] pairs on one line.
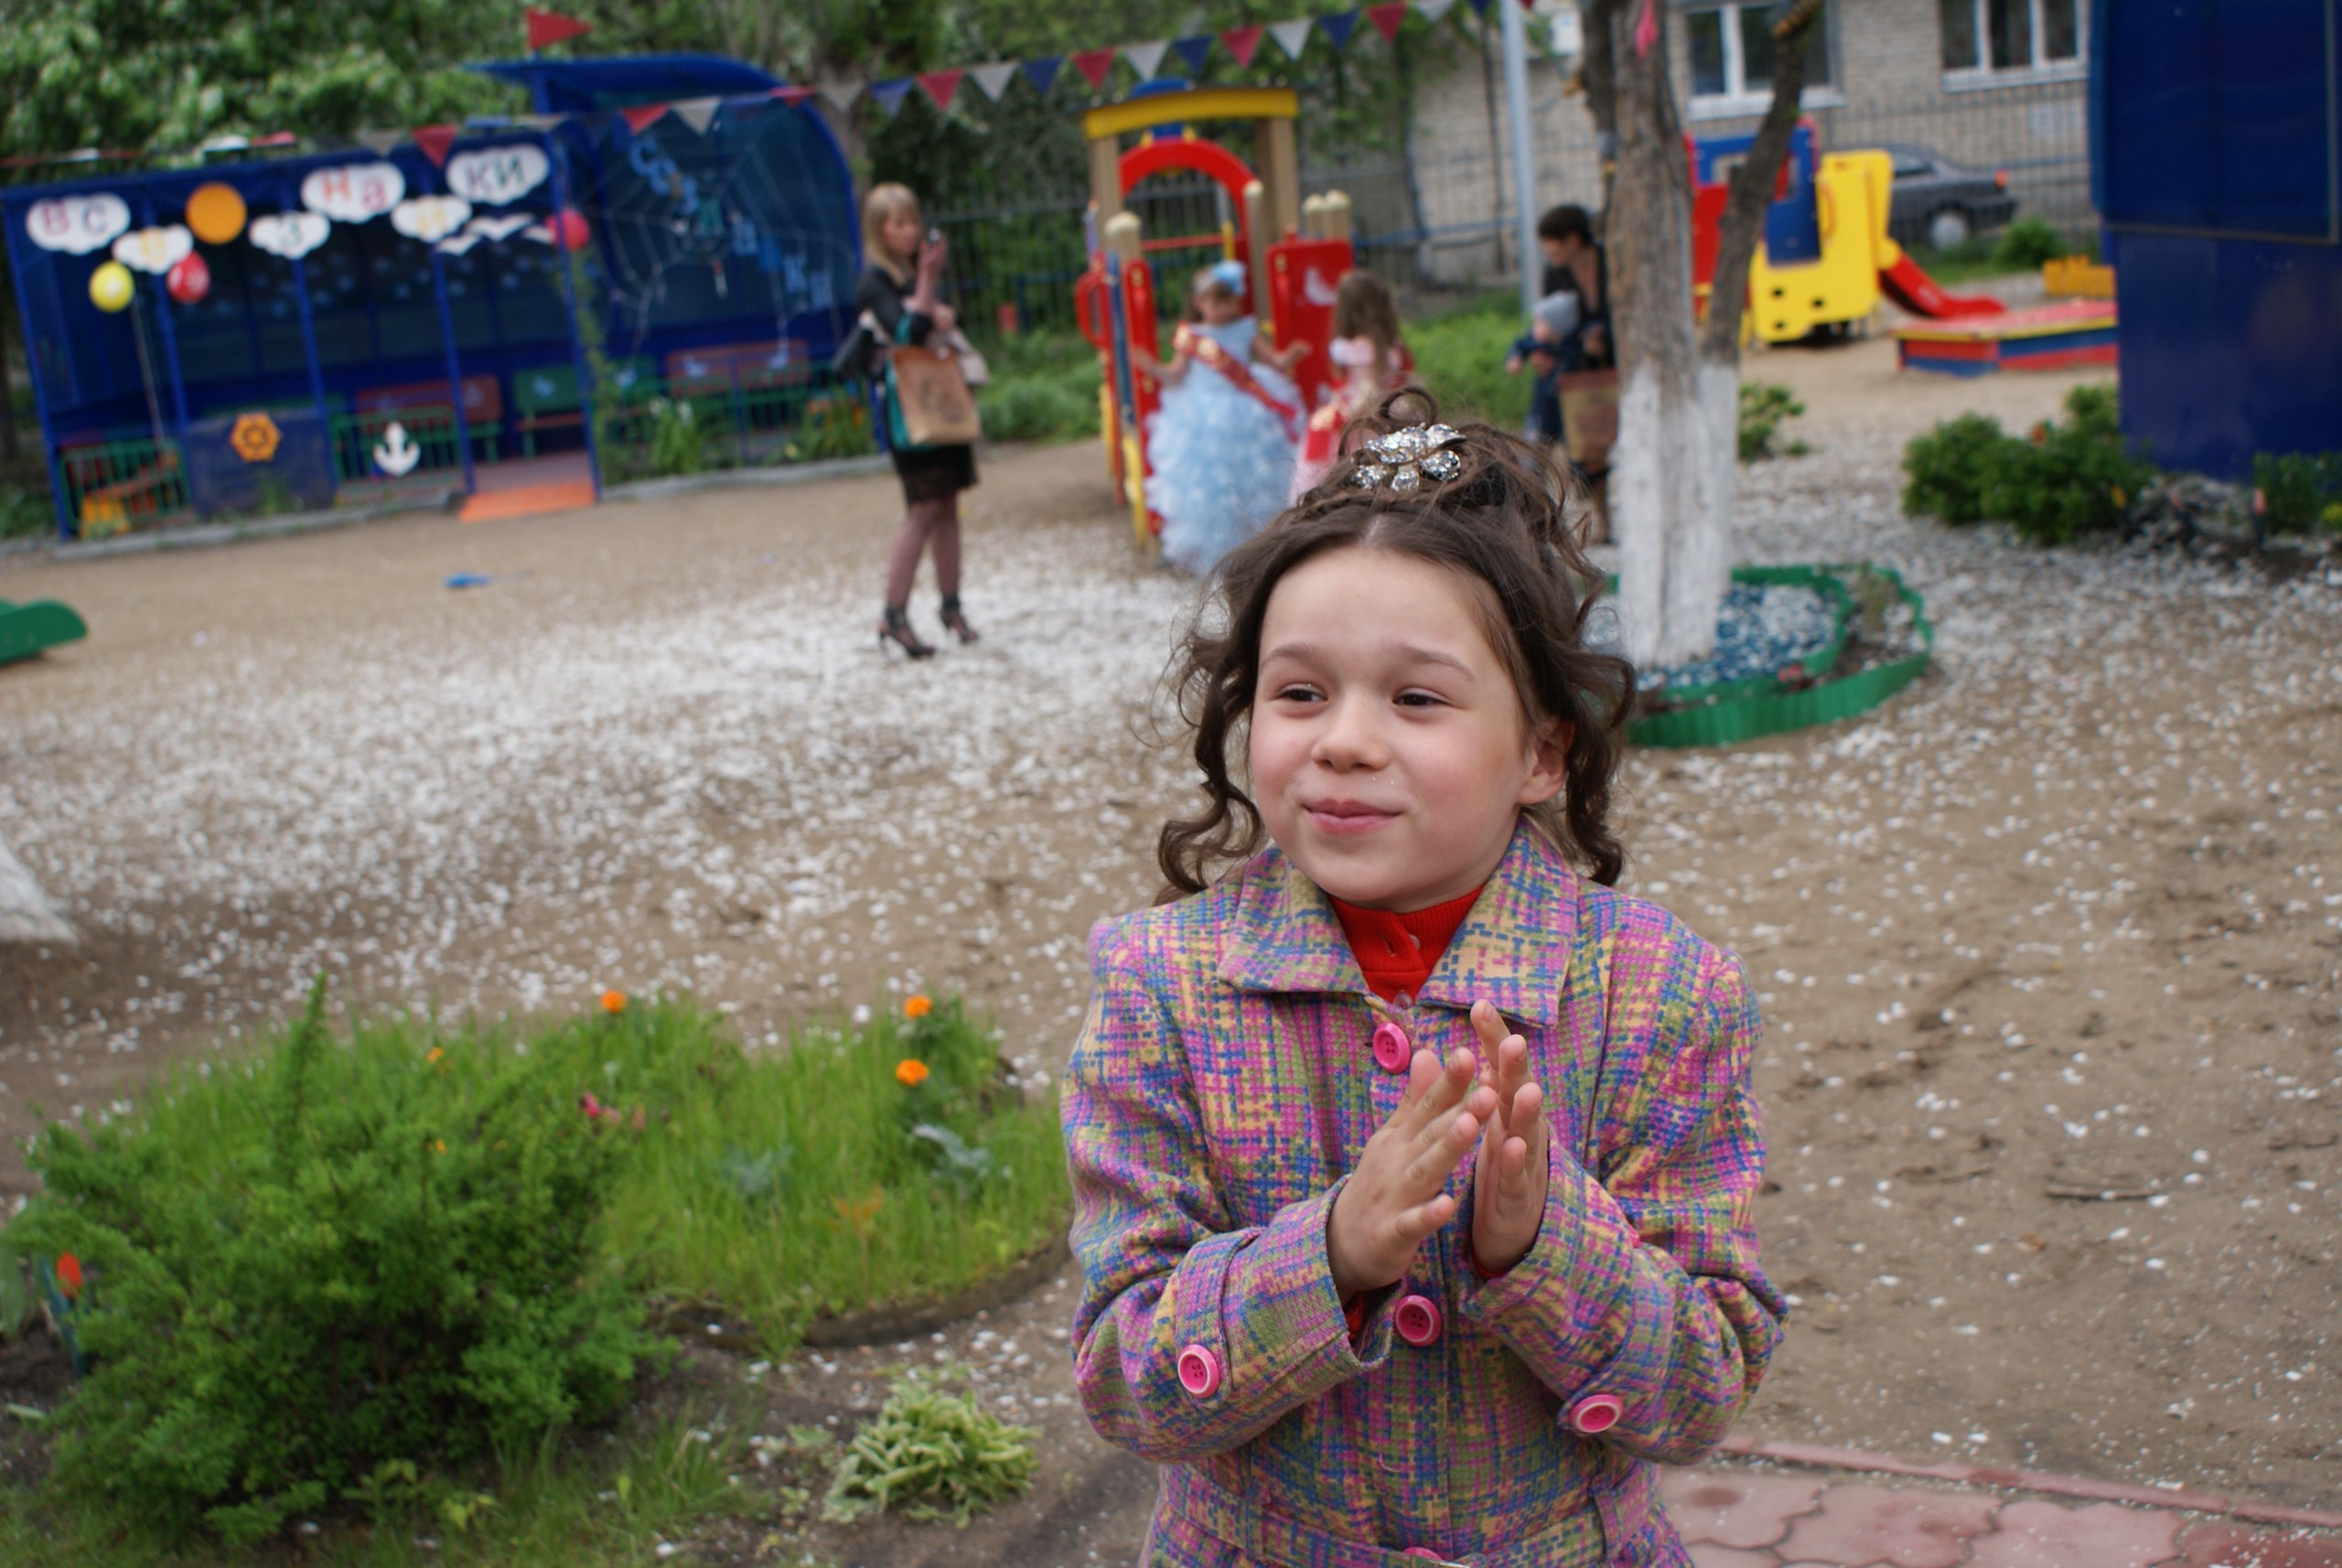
[[1733, 1516]]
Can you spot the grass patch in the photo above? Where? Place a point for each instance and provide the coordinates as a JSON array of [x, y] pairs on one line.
[[606, 1502], [331, 1274], [797, 1183]]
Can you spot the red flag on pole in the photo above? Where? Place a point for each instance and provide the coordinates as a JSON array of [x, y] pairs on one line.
[[434, 141], [641, 116], [1242, 42], [551, 27], [1387, 19]]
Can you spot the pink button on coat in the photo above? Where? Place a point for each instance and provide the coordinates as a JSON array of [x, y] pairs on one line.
[[1216, 1100]]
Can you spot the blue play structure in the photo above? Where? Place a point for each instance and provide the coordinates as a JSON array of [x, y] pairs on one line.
[[2217, 166], [717, 246]]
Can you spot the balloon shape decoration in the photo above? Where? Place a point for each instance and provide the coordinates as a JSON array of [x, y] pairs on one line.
[[188, 280], [111, 287], [570, 230], [216, 213]]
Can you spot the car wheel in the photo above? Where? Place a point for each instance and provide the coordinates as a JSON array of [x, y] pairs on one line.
[[1948, 228]]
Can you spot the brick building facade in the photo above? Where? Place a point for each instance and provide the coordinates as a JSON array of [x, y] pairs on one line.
[[1994, 84]]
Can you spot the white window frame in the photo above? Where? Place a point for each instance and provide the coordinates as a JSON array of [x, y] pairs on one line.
[[1984, 74], [1736, 101]]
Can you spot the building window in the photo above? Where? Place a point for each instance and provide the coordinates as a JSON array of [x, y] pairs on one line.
[[1732, 52], [1988, 37]]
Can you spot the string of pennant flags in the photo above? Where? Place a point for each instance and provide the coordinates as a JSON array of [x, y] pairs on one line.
[[994, 78]]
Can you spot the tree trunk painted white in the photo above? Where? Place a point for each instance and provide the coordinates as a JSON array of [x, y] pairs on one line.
[[1673, 472], [1700, 552], [25, 913]]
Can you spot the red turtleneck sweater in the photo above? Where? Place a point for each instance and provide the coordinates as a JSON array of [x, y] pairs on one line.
[[1398, 952]]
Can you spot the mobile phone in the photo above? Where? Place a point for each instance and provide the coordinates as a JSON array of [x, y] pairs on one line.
[[935, 236]]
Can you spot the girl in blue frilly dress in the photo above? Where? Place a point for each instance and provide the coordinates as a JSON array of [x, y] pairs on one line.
[[1221, 448]]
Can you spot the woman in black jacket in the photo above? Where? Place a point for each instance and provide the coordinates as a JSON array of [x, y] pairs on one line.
[[900, 286]]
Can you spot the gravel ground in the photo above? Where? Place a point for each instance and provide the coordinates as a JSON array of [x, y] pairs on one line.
[[2047, 947]]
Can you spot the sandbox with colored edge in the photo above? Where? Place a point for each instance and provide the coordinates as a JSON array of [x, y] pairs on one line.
[[1881, 640]]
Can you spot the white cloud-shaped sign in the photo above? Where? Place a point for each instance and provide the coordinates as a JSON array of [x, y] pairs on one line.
[[492, 177], [353, 193], [77, 224], [503, 227], [154, 251], [429, 217], [289, 234]]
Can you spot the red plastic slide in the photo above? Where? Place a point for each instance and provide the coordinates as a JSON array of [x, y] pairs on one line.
[[1907, 285]]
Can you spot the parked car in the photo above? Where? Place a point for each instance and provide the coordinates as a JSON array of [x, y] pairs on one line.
[[1937, 202]]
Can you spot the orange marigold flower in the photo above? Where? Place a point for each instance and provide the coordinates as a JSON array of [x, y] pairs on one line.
[[433, 1057], [918, 1008], [69, 1275], [613, 1001], [438, 1145], [910, 1072]]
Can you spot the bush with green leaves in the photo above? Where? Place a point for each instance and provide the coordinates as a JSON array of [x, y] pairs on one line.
[[1460, 354], [2025, 244], [836, 425], [24, 513], [932, 1454], [1056, 405], [675, 437], [2063, 481], [1764, 408], [2301, 492], [329, 1258]]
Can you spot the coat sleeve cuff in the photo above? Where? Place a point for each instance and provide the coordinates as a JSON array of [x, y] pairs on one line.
[[1270, 1311], [1571, 1300]]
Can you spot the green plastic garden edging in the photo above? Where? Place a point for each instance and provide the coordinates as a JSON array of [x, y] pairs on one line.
[[1735, 711]]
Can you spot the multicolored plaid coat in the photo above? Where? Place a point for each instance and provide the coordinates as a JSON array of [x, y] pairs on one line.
[[1225, 1083]]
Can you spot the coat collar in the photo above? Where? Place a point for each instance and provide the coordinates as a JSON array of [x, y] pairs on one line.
[[1513, 949]]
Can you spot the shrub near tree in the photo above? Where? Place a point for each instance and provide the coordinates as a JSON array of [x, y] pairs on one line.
[[2061, 482]]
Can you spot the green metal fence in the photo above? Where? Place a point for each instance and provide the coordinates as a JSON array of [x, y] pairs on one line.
[[423, 451], [131, 482], [659, 427]]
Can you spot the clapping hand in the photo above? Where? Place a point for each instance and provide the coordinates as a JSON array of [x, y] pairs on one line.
[[1396, 1198], [1508, 1180]]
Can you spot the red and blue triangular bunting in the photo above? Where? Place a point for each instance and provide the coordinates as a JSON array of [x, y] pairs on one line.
[[1388, 19], [1340, 27], [994, 77], [1043, 72], [1292, 37], [1241, 42], [889, 95], [1195, 51], [792, 96], [640, 117]]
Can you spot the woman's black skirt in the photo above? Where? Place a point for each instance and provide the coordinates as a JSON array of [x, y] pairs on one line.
[[932, 473]]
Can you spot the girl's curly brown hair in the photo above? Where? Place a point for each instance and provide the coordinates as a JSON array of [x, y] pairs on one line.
[[1502, 523]]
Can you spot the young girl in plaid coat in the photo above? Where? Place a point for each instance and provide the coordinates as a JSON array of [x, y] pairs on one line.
[[1412, 1163]]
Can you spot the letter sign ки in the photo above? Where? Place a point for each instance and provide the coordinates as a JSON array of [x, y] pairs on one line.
[[492, 177], [353, 193]]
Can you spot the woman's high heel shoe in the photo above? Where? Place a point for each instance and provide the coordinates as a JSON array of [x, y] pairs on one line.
[[956, 623], [897, 629]]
